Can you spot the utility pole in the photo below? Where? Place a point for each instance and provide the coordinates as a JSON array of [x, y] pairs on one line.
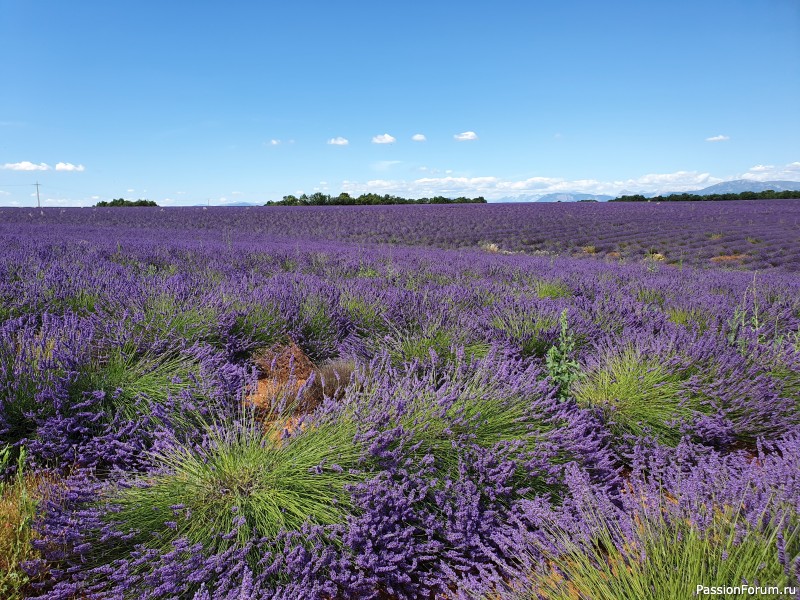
[[38, 202]]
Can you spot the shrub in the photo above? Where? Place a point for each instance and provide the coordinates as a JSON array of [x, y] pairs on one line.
[[639, 394], [244, 478], [667, 560]]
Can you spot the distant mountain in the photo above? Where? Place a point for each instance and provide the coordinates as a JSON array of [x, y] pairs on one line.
[[230, 204], [737, 186], [568, 197], [555, 197]]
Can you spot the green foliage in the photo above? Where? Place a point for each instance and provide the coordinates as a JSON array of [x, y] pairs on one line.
[[483, 412], [83, 302], [650, 296], [320, 199], [165, 318], [405, 347], [258, 325], [638, 393], [318, 328], [249, 478], [526, 329], [666, 560], [551, 289], [366, 316], [123, 202], [560, 361], [688, 317], [765, 195], [131, 381]]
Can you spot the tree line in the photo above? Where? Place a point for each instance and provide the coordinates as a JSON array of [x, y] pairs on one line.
[[345, 199], [765, 195], [123, 202]]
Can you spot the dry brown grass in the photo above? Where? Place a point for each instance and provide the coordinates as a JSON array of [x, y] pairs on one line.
[[725, 258], [285, 372], [18, 501]]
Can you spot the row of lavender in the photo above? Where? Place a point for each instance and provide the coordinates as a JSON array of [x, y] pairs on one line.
[[743, 235], [503, 411]]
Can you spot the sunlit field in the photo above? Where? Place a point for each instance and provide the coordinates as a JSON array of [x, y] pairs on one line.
[[480, 401]]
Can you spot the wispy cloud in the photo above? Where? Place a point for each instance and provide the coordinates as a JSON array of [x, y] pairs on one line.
[[466, 136], [69, 167], [385, 165], [338, 141], [718, 138], [26, 166], [273, 143], [384, 138], [419, 137]]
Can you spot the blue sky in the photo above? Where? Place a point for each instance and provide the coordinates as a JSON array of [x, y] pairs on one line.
[[185, 102]]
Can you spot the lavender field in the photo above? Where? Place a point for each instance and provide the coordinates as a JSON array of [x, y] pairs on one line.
[[481, 401]]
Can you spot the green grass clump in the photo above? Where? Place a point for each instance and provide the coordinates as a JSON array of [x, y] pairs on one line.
[[258, 325], [366, 316], [526, 329], [468, 408], [318, 328], [165, 318], [551, 289], [688, 317], [638, 394], [650, 296], [405, 347], [249, 478], [666, 560], [132, 381]]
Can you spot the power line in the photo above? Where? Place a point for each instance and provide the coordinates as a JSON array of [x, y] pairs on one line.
[[38, 202]]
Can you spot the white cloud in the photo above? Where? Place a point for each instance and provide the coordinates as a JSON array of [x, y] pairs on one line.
[[466, 136], [69, 167], [4, 193], [788, 172], [130, 190], [274, 143], [718, 138], [495, 187], [26, 166], [419, 137], [338, 141], [384, 138]]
